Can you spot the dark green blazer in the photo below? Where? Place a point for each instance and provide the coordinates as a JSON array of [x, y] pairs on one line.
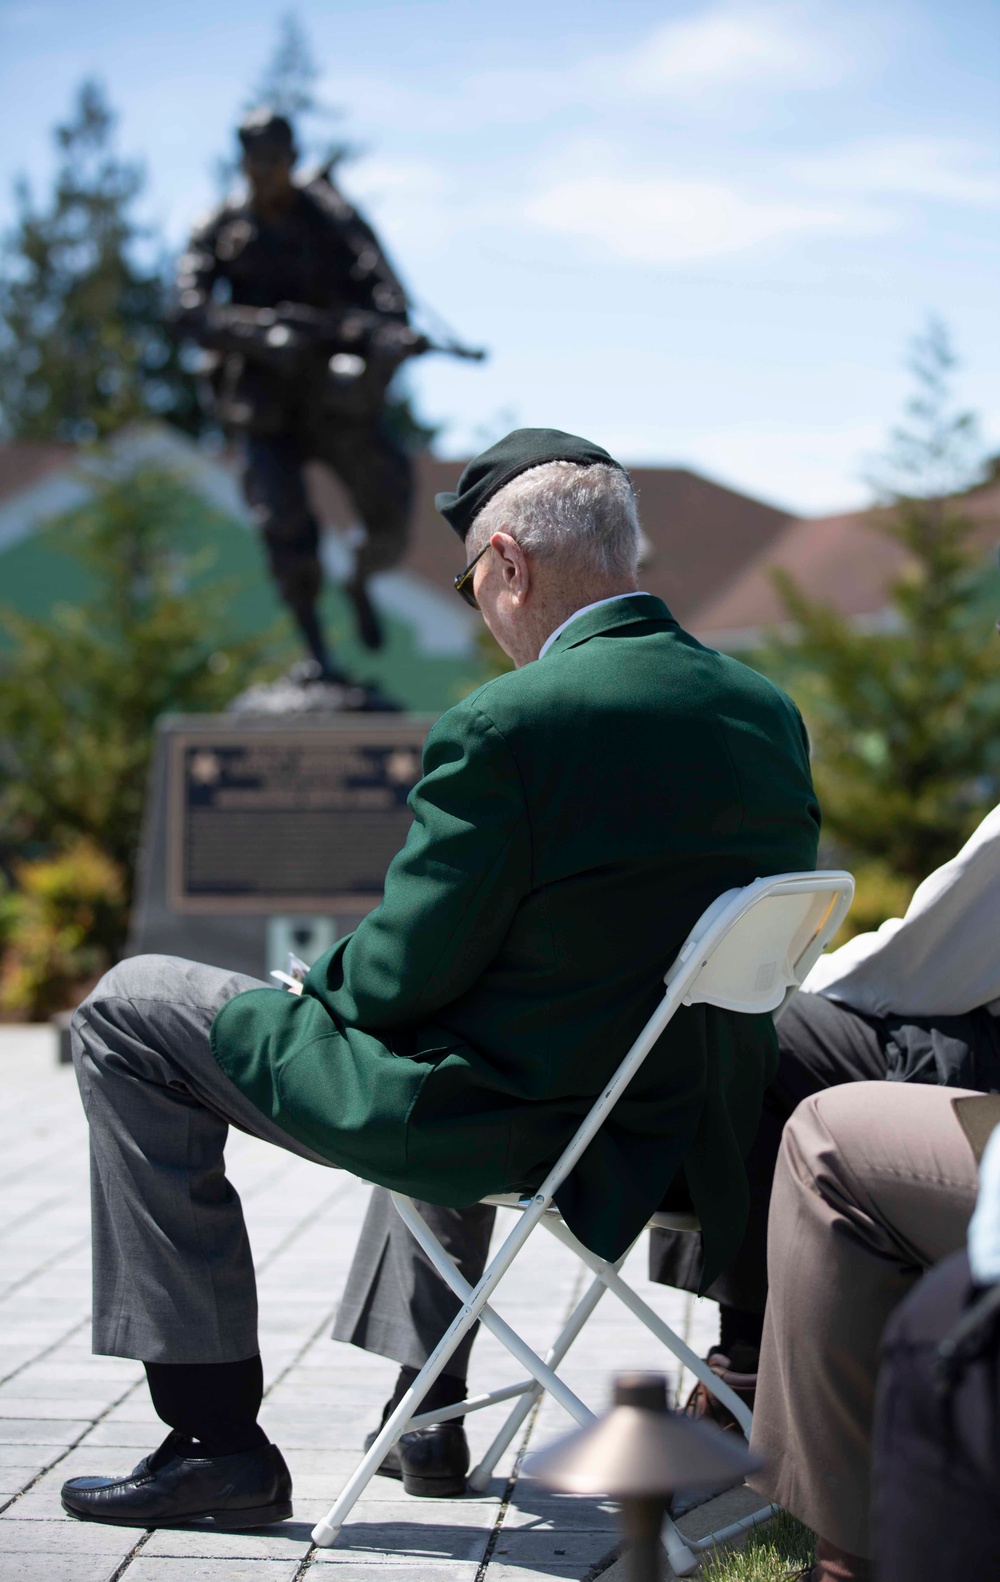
[[574, 819]]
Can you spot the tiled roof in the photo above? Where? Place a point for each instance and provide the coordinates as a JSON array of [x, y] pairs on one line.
[[24, 463], [700, 535], [838, 559], [699, 532]]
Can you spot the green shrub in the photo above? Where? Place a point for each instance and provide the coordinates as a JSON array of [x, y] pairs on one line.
[[81, 690], [59, 928], [880, 894], [80, 694], [904, 719]]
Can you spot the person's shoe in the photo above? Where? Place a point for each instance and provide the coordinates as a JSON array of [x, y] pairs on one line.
[[432, 1462], [702, 1403], [174, 1486]]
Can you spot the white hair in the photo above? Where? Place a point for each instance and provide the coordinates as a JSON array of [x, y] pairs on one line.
[[587, 514]]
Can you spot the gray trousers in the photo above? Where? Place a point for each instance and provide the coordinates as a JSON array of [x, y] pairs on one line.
[[173, 1271], [395, 1303]]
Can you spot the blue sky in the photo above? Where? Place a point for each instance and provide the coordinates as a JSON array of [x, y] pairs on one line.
[[700, 233]]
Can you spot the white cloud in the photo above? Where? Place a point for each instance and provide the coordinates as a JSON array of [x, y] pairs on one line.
[[728, 45], [812, 470], [947, 169], [642, 194], [659, 220], [414, 204], [404, 185]]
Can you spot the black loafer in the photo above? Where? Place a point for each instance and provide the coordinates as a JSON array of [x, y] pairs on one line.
[[432, 1462], [172, 1487]]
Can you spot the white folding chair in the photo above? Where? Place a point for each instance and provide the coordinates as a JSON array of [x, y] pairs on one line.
[[748, 952]]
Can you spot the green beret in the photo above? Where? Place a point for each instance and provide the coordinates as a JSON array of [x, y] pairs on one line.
[[516, 452]]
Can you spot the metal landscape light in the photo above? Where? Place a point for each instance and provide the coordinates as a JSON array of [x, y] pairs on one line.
[[640, 1454]]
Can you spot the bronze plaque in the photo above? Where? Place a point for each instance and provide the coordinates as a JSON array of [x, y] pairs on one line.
[[289, 820]]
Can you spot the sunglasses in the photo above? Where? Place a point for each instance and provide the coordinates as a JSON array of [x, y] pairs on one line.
[[463, 582]]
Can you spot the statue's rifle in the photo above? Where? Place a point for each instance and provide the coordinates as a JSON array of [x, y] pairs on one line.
[[283, 336], [360, 242]]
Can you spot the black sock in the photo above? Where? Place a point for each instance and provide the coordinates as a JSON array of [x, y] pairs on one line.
[[740, 1335], [447, 1390], [215, 1403]]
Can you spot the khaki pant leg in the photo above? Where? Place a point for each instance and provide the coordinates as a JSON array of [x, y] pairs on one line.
[[875, 1182]]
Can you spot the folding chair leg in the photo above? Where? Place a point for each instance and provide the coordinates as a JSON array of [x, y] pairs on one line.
[[682, 1560], [326, 1531], [685, 1555], [532, 1361], [479, 1478], [490, 1320], [473, 1308], [653, 1322], [480, 1475]]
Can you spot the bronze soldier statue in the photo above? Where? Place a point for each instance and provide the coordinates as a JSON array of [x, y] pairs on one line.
[[304, 323]]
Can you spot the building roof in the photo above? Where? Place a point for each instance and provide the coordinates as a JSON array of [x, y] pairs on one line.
[[838, 559], [697, 531], [24, 463], [711, 552]]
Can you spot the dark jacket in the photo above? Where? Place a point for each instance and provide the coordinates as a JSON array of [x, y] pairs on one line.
[[574, 819]]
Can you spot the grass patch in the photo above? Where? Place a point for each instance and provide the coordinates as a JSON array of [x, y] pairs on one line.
[[779, 1548]]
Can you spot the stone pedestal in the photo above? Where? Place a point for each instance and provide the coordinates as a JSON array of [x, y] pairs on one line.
[[264, 836]]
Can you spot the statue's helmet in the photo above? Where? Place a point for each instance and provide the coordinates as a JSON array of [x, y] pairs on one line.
[[263, 132]]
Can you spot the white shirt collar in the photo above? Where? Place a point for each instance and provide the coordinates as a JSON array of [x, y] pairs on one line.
[[584, 611]]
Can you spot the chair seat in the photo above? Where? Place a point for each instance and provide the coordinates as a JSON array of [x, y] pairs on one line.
[[521, 1200], [663, 1219], [671, 1220]]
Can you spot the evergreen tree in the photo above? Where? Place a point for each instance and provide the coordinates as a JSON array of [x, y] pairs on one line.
[[82, 689], [287, 84], [84, 346], [905, 721]]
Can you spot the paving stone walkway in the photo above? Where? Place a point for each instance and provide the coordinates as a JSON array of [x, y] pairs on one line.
[[63, 1411]]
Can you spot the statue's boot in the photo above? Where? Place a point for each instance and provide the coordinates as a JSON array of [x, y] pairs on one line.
[[361, 697], [369, 625], [341, 693], [320, 666]]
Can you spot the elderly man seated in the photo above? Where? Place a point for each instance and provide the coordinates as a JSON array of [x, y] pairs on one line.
[[574, 819], [913, 1002]]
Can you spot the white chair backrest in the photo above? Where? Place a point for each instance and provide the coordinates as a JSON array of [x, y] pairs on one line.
[[750, 950]]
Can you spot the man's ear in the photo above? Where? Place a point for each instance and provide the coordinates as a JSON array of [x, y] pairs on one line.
[[513, 566]]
